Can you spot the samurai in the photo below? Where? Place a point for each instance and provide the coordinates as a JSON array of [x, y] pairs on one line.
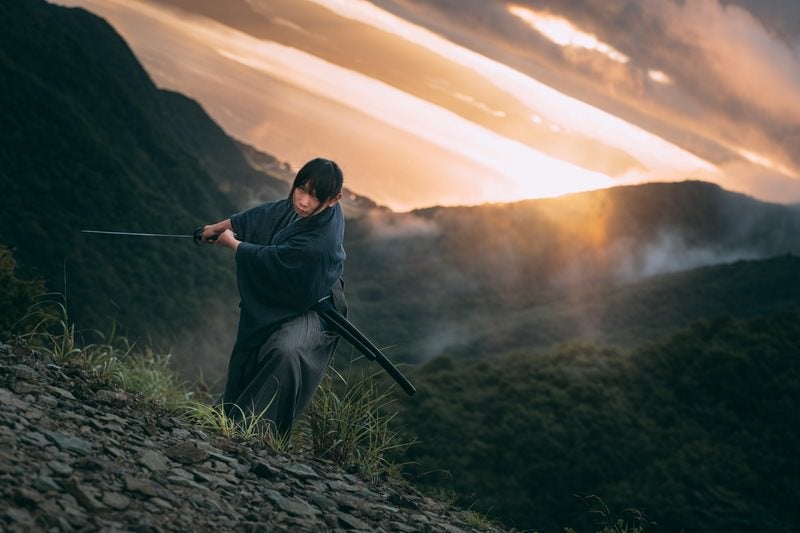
[[289, 255]]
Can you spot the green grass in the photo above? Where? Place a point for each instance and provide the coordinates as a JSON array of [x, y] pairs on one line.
[[349, 422], [113, 359]]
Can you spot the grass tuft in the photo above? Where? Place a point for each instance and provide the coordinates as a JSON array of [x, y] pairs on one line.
[[636, 522], [350, 423]]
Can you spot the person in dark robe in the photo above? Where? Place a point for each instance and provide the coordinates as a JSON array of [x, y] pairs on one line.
[[289, 256]]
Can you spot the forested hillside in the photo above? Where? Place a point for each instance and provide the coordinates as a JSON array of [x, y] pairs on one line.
[[698, 431]]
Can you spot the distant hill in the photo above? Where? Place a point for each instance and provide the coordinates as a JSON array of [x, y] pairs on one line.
[[481, 280], [629, 314]]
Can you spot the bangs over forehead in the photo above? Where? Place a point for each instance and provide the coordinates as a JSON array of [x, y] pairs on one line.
[[322, 177]]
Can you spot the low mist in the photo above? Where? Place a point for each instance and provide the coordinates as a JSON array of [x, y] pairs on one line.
[[459, 280]]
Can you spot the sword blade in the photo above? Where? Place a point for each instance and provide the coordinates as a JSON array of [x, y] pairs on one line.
[[128, 233]]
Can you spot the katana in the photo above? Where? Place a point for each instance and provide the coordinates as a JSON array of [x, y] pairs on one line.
[[197, 235], [360, 342]]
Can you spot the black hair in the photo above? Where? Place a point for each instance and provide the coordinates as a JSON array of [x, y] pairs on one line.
[[323, 176]]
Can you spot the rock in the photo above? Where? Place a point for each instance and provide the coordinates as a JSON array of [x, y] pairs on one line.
[[91, 464], [265, 470], [143, 486], [302, 471], [69, 443], [117, 501], [404, 528], [58, 391], [154, 461], [291, 505], [35, 438], [351, 522], [26, 497], [322, 502], [23, 387], [110, 397], [82, 494], [9, 400], [349, 501], [59, 468], [45, 484], [24, 372], [186, 452], [19, 516]]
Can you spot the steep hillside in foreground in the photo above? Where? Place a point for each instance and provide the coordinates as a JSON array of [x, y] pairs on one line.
[[78, 456]]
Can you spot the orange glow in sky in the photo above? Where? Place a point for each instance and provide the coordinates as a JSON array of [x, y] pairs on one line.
[[462, 128], [659, 158]]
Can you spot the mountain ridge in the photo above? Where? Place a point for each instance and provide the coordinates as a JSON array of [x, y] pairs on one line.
[[446, 269]]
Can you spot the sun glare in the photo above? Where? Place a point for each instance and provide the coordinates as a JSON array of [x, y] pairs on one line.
[[763, 161], [564, 33], [659, 76]]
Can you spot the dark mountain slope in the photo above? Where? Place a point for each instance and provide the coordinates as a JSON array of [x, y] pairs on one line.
[[87, 141]]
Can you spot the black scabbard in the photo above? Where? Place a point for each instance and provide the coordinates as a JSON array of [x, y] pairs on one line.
[[360, 342]]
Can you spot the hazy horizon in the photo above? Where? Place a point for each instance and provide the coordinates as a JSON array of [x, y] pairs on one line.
[[424, 103]]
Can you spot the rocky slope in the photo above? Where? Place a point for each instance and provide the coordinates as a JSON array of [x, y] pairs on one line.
[[75, 454]]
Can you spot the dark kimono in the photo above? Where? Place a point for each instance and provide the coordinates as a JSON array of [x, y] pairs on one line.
[[284, 265]]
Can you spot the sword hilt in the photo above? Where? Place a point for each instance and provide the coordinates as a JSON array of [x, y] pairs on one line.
[[197, 236]]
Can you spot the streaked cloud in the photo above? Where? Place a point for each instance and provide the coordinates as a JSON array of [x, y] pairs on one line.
[[739, 54], [544, 175], [432, 123], [658, 155], [562, 32], [718, 78]]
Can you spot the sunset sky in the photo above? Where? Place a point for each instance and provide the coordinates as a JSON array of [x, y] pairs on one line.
[[470, 101]]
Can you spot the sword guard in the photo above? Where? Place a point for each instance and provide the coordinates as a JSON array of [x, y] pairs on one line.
[[197, 236]]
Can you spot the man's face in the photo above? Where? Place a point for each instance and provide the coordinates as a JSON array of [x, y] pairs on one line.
[[305, 203]]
